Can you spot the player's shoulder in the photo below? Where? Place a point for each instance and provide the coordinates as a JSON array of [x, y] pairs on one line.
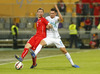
[[43, 18], [47, 17], [56, 17]]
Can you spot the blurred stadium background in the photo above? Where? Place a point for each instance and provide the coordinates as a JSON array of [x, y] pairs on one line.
[[24, 13]]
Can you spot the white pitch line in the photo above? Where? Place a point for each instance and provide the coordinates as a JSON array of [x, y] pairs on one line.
[[6, 60], [48, 56], [37, 58]]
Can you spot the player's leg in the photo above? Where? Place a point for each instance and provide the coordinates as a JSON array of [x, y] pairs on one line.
[[24, 53], [63, 49], [45, 41], [34, 62], [42, 43], [28, 45], [26, 49], [60, 45], [39, 47]]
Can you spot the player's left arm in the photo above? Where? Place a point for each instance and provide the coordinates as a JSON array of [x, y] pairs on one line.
[[59, 14]]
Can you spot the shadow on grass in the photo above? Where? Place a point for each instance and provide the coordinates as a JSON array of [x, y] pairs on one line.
[[53, 68]]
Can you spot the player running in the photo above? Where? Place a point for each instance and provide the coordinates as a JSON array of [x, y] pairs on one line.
[[53, 36], [33, 42]]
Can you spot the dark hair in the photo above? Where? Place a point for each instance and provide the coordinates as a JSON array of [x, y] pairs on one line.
[[40, 9], [53, 9]]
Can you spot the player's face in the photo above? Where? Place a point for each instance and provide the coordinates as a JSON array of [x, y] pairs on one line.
[[40, 13], [52, 14]]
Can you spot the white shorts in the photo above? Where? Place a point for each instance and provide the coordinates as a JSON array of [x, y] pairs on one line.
[[55, 41]]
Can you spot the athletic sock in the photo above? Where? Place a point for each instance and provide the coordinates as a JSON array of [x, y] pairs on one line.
[[34, 60], [69, 58], [38, 49], [24, 53]]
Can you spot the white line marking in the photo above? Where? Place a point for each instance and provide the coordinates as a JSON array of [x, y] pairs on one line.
[[37, 58], [46, 57]]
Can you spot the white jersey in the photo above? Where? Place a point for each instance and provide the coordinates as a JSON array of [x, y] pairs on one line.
[[53, 33]]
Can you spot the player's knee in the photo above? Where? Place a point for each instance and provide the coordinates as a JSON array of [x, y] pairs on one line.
[[43, 43], [28, 46], [63, 50]]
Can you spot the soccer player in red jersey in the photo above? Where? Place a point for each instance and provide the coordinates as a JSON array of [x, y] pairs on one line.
[[33, 42]]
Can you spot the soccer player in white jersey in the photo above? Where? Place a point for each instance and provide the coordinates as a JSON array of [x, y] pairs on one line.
[[53, 36]]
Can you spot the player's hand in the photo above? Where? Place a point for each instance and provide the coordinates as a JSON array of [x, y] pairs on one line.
[[49, 26]]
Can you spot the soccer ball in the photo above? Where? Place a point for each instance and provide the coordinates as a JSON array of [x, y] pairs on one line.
[[18, 65]]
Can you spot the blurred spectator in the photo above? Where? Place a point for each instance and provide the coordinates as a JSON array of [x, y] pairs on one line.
[[62, 7], [85, 7], [96, 14], [99, 17], [97, 1], [79, 8], [94, 43], [82, 24], [60, 25], [88, 25], [98, 27], [91, 5], [73, 35], [96, 39], [14, 30], [96, 9]]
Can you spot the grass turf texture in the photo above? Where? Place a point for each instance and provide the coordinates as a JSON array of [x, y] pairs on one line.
[[88, 61]]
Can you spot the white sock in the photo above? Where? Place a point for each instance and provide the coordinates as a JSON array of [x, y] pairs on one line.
[[38, 49], [69, 58]]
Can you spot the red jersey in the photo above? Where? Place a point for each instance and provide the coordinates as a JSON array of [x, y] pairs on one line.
[[98, 1], [79, 8], [88, 22], [40, 34], [41, 27], [96, 10], [91, 3]]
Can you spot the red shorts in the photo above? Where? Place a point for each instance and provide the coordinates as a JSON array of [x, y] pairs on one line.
[[34, 41]]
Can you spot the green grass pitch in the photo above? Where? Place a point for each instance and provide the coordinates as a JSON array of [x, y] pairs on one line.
[[88, 60]]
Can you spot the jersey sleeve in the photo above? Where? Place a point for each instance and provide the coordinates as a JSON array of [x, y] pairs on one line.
[[45, 21]]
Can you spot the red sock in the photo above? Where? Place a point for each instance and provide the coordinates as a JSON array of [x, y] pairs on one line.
[[24, 52], [34, 60]]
